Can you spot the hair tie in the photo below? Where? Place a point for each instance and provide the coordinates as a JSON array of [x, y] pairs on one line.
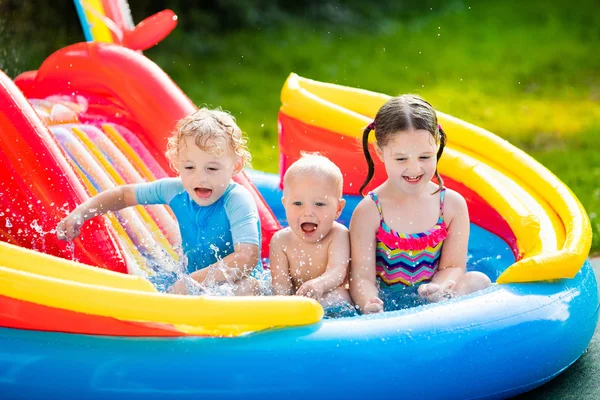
[[439, 127], [372, 126]]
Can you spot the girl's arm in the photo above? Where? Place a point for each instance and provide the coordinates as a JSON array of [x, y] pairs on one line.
[[110, 200], [363, 230], [338, 258], [453, 261], [281, 279], [233, 267]]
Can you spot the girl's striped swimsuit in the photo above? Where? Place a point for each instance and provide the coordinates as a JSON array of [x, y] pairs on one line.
[[408, 259]]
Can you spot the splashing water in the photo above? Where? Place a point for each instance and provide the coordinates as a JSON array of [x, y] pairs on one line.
[[220, 281], [211, 286]]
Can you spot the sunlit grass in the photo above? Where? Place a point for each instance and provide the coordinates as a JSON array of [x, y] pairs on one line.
[[527, 71], [523, 72], [577, 163]]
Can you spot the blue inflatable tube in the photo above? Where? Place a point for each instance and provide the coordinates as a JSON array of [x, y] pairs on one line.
[[493, 344]]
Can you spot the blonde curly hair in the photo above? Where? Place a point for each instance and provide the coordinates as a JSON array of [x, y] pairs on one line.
[[206, 125]]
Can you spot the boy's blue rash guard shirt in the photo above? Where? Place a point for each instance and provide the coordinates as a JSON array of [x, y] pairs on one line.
[[207, 233]]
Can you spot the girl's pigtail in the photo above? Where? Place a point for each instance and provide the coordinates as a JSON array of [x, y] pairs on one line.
[[370, 164], [439, 155]]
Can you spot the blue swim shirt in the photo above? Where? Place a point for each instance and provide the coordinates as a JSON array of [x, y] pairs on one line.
[[207, 233]]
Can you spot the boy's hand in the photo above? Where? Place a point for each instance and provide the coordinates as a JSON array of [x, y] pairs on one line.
[[373, 306], [435, 292], [313, 289], [70, 227], [179, 287]]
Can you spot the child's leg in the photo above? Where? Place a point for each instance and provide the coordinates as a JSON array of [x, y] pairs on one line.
[[336, 296], [247, 286], [338, 304], [471, 282]]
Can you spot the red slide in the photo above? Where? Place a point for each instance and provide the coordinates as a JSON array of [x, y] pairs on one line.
[[121, 87]]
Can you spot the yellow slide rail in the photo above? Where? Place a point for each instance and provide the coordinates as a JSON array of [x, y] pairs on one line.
[[42, 279]]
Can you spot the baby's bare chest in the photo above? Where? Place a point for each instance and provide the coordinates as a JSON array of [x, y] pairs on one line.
[[306, 263]]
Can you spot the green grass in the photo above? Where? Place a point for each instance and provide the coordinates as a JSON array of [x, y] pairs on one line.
[[577, 163], [527, 71]]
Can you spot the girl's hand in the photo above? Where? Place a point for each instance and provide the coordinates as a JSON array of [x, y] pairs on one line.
[[70, 227], [435, 292], [313, 289], [373, 306]]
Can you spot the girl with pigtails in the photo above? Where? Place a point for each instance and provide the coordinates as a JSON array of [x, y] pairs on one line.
[[409, 235]]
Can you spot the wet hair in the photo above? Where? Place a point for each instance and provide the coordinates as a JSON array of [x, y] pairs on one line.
[[315, 163], [398, 114], [205, 126]]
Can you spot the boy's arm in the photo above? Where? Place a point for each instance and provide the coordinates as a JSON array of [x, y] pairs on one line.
[[281, 279], [237, 265], [110, 200]]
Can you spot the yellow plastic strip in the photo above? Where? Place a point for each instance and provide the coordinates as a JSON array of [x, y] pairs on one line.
[[221, 316], [564, 263], [578, 232], [518, 217], [94, 12], [135, 160], [25, 260], [136, 263], [126, 149], [159, 213], [116, 177], [552, 230]]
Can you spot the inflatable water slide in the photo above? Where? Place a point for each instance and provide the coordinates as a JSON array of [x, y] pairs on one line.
[[82, 319]]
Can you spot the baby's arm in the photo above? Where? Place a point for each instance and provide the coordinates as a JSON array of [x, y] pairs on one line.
[[363, 231], [281, 279], [338, 258], [110, 200]]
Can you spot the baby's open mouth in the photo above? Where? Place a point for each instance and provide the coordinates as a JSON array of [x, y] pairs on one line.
[[308, 228], [203, 193]]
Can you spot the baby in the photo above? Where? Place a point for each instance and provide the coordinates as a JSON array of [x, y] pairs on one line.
[[310, 257]]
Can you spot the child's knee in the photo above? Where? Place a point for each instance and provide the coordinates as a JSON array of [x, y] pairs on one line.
[[338, 303], [344, 293], [248, 286], [337, 295]]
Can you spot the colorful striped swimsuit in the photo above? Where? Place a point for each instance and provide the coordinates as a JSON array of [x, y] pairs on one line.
[[407, 259]]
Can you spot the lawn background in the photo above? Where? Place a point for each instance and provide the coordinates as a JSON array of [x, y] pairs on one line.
[[529, 71]]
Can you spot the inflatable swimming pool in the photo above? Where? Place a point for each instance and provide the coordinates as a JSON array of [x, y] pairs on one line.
[[95, 115]]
